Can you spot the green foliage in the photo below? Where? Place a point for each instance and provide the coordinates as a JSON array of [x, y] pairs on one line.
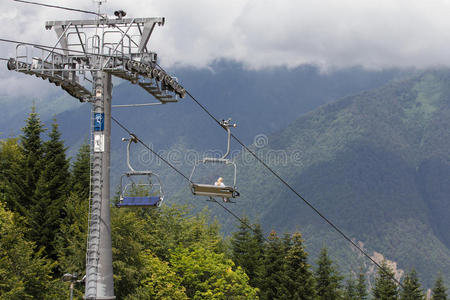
[[350, 292], [24, 274], [31, 166], [159, 281], [209, 275], [70, 242], [129, 236], [328, 279], [439, 290], [170, 227], [273, 285], [361, 288], [385, 287], [160, 231], [47, 209], [184, 245], [356, 289], [247, 252], [10, 178], [80, 172], [300, 281], [411, 287]]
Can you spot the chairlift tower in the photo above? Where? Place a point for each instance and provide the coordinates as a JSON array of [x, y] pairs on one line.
[[86, 55]]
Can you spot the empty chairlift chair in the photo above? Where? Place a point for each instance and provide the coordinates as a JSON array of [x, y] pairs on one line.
[[139, 188], [226, 192]]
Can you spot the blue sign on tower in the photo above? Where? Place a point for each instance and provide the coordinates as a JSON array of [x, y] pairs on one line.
[[99, 124]]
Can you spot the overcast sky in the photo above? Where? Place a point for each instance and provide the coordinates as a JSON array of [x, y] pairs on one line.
[[260, 33]]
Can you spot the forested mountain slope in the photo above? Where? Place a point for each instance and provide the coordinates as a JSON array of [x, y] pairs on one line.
[[376, 163]]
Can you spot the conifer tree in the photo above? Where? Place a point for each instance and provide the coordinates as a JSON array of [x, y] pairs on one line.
[[24, 274], [328, 279], [71, 240], [31, 166], [300, 281], [50, 194], [272, 285], [350, 292], [411, 287], [258, 236], [439, 290], [10, 178], [361, 288], [385, 288], [80, 172], [247, 251]]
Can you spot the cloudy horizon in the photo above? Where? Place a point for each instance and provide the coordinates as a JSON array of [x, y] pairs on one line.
[[261, 33]]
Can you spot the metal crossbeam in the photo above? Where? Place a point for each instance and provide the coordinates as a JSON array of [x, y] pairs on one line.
[[105, 22]]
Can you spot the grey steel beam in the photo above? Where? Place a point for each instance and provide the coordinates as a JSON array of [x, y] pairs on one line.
[[105, 283], [105, 22], [137, 105], [99, 271]]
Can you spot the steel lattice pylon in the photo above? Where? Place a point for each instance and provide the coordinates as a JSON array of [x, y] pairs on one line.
[[82, 62]]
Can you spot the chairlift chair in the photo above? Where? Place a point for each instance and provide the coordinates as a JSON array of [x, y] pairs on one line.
[[211, 190], [133, 183]]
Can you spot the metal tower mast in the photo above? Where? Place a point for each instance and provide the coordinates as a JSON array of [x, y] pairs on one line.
[[89, 53]]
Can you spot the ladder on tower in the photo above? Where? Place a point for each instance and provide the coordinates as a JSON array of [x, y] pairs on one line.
[[93, 240]]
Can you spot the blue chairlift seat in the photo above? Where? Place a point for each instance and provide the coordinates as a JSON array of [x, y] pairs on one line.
[[139, 182], [145, 201], [127, 199]]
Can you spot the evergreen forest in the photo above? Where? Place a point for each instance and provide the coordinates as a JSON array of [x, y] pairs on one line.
[[167, 253]]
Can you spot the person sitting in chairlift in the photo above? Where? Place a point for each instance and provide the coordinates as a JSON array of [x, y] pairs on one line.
[[220, 183]]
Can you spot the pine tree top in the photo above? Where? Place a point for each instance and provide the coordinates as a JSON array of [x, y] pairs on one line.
[[439, 290]]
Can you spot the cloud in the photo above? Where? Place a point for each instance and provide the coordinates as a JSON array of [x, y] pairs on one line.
[[264, 33]]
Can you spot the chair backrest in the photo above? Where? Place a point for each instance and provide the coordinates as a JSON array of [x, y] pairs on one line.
[[207, 160], [154, 188]]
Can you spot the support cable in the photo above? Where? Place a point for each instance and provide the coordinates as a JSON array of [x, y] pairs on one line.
[[61, 7], [185, 177]]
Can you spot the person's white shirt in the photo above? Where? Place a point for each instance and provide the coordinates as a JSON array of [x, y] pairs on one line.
[[219, 182]]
